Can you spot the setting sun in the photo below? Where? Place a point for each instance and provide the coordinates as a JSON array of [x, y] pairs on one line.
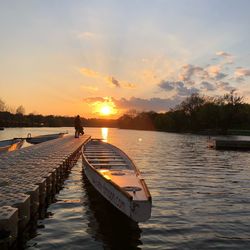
[[104, 107], [105, 110]]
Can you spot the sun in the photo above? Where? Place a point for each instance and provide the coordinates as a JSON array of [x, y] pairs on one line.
[[105, 110], [105, 107]]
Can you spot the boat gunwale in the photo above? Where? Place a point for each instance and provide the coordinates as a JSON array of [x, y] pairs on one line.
[[14, 139], [44, 138], [48, 135], [145, 187]]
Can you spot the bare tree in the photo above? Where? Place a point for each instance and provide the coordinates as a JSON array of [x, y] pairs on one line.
[[192, 103], [232, 98], [20, 110], [2, 105], [132, 113]]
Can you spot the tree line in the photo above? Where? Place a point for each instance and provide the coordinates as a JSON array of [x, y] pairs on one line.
[[11, 117], [8, 119], [197, 113]]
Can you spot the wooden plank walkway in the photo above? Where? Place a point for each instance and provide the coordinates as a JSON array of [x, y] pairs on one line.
[[29, 177]]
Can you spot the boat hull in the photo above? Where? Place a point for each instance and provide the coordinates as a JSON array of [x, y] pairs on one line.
[[10, 145], [137, 210], [40, 139], [108, 191]]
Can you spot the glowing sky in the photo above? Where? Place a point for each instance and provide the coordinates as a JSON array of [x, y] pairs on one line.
[[68, 57]]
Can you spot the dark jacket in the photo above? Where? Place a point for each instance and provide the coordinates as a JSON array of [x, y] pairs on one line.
[[78, 124]]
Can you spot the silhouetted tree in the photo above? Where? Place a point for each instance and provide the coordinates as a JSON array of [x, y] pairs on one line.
[[20, 110], [196, 113], [192, 104], [2, 105]]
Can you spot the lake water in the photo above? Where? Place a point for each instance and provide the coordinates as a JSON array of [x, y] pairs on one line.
[[201, 197]]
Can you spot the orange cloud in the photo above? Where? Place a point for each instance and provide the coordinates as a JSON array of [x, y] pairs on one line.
[[223, 53], [214, 69], [89, 88], [90, 73], [111, 80], [98, 104], [241, 72], [215, 72]]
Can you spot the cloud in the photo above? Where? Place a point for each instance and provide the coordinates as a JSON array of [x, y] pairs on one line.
[[129, 85], [220, 76], [89, 88], [111, 80], [241, 72], [155, 104], [93, 99], [184, 91], [140, 104], [97, 104], [208, 86], [178, 86], [90, 73], [223, 54], [214, 72], [114, 82], [228, 57], [225, 86], [189, 71], [166, 85]]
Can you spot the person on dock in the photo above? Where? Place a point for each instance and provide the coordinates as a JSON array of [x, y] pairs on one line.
[[78, 127]]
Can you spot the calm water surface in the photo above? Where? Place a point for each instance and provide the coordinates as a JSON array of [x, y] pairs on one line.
[[201, 197]]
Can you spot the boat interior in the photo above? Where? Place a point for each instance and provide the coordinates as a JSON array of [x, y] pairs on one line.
[[115, 165]]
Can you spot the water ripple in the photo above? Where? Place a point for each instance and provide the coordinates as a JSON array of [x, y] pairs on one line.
[[200, 199]]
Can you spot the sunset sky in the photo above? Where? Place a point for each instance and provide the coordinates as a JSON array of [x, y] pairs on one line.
[[74, 57]]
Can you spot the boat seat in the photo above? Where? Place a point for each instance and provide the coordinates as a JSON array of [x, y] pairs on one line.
[[98, 150], [115, 168], [105, 159], [108, 161], [99, 153], [103, 153], [111, 166]]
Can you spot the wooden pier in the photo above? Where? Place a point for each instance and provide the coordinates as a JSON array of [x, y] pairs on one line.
[[29, 177]]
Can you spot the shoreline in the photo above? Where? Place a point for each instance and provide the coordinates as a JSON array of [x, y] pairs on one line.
[[208, 132]]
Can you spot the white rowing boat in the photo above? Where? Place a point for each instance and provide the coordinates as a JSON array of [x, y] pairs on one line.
[[115, 176], [10, 145], [43, 138]]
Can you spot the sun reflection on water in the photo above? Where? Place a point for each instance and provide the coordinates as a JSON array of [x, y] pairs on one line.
[[105, 132]]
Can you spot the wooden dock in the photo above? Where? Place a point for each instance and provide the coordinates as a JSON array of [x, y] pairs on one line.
[[231, 143], [29, 177]]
